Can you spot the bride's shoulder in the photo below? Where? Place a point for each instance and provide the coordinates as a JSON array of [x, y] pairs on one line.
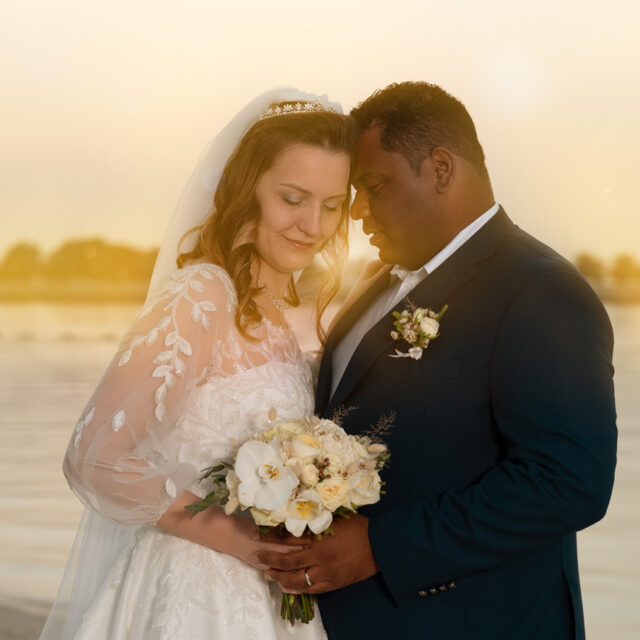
[[200, 281]]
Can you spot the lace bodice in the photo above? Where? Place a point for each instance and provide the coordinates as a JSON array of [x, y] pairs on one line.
[[183, 390]]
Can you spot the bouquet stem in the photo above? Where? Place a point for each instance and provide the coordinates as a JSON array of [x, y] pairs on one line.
[[297, 606]]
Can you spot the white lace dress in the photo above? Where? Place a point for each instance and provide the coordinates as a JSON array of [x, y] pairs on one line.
[[183, 390]]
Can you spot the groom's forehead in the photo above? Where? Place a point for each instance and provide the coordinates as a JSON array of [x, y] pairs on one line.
[[369, 143], [370, 154], [372, 160]]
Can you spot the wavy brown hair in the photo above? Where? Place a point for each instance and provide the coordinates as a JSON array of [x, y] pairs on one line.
[[227, 237]]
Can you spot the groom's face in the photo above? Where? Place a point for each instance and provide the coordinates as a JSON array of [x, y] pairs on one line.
[[396, 204]]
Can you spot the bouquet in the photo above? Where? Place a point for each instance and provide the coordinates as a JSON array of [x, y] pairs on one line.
[[298, 475]]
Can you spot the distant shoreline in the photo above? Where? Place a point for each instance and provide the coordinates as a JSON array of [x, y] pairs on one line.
[[73, 291], [135, 291]]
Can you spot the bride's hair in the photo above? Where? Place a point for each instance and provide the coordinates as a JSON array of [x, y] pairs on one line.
[[227, 237]]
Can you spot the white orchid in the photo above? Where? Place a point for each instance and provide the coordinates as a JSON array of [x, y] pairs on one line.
[[307, 510], [264, 481]]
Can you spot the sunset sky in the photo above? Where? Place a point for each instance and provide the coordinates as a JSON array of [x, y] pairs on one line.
[[106, 105]]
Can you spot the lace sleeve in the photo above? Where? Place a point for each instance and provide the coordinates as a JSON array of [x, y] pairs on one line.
[[122, 458]]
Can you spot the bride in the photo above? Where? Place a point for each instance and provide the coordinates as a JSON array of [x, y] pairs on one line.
[[208, 361]]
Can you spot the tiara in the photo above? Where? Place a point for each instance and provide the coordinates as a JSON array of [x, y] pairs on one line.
[[297, 107]]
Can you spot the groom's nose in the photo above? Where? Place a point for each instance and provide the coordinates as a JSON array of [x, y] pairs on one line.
[[360, 206]]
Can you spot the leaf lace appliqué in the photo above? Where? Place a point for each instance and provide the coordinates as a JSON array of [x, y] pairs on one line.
[[169, 362], [82, 423]]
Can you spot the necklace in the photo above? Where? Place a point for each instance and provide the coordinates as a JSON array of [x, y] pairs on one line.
[[278, 303]]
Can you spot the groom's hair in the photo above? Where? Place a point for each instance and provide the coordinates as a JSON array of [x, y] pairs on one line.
[[416, 117]]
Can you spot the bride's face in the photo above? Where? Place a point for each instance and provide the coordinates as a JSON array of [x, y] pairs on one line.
[[300, 198]]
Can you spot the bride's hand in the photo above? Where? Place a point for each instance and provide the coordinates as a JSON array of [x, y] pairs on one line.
[[236, 535], [243, 540]]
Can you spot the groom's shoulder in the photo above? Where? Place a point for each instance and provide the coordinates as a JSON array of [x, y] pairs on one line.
[[529, 256], [533, 270]]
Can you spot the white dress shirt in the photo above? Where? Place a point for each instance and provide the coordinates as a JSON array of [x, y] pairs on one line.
[[405, 283]]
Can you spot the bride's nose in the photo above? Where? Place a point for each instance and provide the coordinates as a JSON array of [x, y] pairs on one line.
[[309, 221]]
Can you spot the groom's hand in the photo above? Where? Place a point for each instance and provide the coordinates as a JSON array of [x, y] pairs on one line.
[[331, 563]]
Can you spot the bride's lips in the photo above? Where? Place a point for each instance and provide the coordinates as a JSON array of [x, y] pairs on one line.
[[299, 244]]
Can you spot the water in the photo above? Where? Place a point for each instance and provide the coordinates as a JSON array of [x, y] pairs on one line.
[[51, 358]]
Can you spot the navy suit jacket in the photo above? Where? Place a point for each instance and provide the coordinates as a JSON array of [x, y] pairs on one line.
[[503, 446]]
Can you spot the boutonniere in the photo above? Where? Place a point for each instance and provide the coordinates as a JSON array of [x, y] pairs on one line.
[[417, 327]]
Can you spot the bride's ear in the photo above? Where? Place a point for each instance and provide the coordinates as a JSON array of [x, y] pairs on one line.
[[441, 164]]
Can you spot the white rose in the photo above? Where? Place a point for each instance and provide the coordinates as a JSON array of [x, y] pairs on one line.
[[269, 518], [359, 449], [305, 447], [335, 464], [364, 488], [309, 475], [289, 430], [325, 427], [395, 335], [429, 327], [332, 492], [266, 436], [342, 450]]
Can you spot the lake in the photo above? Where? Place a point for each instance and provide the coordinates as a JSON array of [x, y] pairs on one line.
[[51, 358]]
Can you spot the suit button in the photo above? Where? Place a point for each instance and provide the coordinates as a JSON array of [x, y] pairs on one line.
[[433, 591], [422, 593], [443, 588], [451, 585]]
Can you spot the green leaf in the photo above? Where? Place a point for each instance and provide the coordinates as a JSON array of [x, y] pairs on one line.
[[442, 312], [208, 471]]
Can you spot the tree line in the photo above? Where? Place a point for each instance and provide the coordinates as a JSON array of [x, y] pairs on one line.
[[96, 259], [91, 259], [623, 270]]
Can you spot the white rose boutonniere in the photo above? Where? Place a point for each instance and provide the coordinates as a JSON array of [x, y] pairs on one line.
[[417, 327]]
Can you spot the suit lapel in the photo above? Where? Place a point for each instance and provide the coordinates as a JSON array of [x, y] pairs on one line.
[[372, 287], [433, 292]]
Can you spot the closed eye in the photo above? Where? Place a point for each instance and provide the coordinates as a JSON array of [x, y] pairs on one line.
[[374, 189], [292, 200], [333, 205]]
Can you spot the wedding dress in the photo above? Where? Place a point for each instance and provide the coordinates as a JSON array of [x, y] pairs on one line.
[[184, 389]]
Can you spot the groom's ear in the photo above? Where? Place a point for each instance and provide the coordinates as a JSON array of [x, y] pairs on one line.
[[441, 164]]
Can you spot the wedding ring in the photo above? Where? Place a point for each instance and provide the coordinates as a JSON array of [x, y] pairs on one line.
[[308, 579]]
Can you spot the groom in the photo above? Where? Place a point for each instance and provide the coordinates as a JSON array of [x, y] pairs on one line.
[[504, 437]]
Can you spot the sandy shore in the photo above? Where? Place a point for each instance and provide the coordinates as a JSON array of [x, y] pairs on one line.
[[20, 619]]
